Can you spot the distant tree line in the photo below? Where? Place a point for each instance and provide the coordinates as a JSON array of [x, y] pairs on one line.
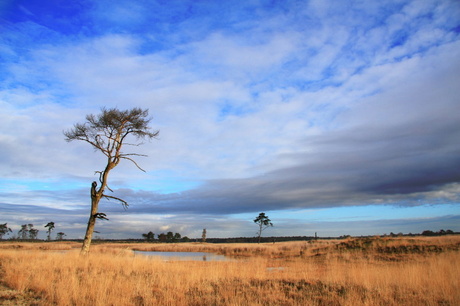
[[424, 233], [28, 232], [270, 239], [168, 237], [439, 233]]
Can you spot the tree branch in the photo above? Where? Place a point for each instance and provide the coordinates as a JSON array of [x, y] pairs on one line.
[[133, 144], [124, 157], [123, 202], [132, 154], [101, 216], [100, 175]]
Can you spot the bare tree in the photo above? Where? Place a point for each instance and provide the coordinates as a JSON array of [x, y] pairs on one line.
[[107, 133], [60, 236], [263, 221]]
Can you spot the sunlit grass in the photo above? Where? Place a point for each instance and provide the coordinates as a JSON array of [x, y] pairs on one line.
[[377, 271]]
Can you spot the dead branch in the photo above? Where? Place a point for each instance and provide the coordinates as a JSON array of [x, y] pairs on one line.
[[123, 202], [101, 216], [124, 157]]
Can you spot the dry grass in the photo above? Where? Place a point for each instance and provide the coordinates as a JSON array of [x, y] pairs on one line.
[[377, 271]]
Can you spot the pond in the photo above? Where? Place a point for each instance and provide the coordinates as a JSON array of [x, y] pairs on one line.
[[194, 256]]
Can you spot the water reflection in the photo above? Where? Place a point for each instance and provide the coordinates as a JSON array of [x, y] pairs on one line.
[[194, 256]]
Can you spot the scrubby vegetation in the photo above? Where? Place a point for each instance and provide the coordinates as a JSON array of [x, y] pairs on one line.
[[354, 271]]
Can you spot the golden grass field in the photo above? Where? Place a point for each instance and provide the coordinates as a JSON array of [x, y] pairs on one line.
[[356, 271]]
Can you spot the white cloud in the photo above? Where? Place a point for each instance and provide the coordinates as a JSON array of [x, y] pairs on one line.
[[239, 100]]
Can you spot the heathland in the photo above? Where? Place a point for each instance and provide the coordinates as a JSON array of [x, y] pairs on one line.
[[353, 271]]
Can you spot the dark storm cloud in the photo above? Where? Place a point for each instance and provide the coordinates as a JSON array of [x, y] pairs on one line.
[[401, 160], [400, 164]]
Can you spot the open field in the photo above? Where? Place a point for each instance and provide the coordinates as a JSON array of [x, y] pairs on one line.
[[356, 271]]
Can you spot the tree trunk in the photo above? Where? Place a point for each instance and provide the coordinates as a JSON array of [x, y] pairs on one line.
[[260, 233], [92, 220]]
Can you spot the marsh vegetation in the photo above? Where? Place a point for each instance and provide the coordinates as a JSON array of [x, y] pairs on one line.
[[355, 271]]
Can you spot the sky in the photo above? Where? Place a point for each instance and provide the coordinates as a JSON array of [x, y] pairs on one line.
[[332, 117]]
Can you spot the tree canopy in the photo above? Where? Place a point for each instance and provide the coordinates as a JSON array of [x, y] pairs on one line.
[[107, 132]]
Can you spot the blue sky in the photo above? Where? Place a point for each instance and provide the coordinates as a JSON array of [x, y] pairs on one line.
[[336, 117]]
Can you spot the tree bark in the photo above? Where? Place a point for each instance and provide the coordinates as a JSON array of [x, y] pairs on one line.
[[92, 220]]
